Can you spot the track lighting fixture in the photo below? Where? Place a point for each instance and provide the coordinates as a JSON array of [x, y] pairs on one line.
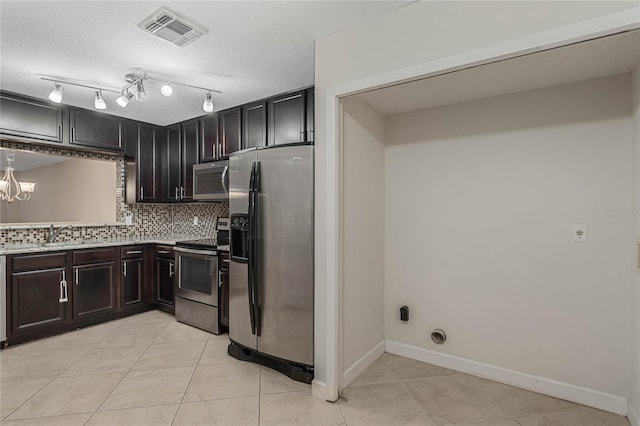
[[123, 100], [207, 106], [99, 102], [141, 95], [133, 79], [56, 93], [166, 90]]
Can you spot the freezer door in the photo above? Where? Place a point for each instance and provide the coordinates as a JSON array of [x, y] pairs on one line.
[[285, 245], [239, 319]]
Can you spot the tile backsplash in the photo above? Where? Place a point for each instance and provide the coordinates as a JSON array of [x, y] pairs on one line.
[[148, 220]]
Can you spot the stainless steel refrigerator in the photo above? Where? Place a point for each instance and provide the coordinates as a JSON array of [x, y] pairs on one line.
[[271, 262]]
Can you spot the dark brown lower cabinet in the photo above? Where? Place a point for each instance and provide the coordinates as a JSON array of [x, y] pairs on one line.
[[132, 294], [164, 271], [94, 290]]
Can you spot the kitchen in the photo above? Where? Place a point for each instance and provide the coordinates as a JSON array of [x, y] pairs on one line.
[[184, 219]]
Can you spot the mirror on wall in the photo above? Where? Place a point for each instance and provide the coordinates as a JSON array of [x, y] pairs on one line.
[[66, 189]]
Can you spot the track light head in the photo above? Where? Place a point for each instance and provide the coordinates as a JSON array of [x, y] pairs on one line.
[[166, 90], [56, 93], [207, 105], [123, 100], [141, 94], [99, 102]]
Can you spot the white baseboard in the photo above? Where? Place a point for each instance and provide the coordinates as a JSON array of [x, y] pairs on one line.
[[361, 364], [632, 415], [585, 396], [319, 389]]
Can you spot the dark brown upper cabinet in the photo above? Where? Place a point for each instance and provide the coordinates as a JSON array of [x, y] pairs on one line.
[[311, 97], [230, 133], [29, 119], [209, 138], [287, 118], [254, 125], [179, 156], [147, 161], [95, 129], [130, 137]]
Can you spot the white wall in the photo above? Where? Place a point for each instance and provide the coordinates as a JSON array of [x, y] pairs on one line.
[[413, 35], [363, 237], [481, 198], [634, 406]]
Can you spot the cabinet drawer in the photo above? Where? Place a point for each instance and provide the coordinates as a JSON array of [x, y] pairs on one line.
[[131, 252], [94, 255], [32, 262], [164, 251]]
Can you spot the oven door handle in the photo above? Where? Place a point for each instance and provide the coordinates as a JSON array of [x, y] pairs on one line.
[[196, 251]]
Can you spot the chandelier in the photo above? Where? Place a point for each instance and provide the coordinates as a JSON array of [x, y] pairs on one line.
[[10, 188]]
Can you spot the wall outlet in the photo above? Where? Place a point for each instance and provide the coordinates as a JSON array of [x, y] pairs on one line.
[[579, 233], [128, 220], [195, 220]]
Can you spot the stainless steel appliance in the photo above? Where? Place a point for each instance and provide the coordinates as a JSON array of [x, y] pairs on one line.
[[271, 253], [197, 281], [210, 181]]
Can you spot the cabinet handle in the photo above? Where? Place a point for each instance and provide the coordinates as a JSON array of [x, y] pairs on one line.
[[219, 279], [182, 192], [170, 269], [225, 260], [142, 193], [73, 134], [60, 132], [63, 288], [213, 150], [134, 251], [124, 268], [177, 196], [163, 252], [77, 278]]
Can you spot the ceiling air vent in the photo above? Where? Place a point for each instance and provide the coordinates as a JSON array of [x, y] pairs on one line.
[[171, 27]]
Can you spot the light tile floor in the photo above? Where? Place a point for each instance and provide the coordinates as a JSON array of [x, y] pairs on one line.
[[149, 369]]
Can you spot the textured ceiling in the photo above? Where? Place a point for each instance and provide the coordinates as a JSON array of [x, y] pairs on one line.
[[602, 57], [251, 50]]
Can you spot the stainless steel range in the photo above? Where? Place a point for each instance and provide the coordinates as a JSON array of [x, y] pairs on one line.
[[197, 281]]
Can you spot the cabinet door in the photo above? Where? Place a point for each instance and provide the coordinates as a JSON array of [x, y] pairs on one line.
[[38, 300], [190, 143], [132, 282], [171, 165], [95, 129], [310, 114], [94, 289], [287, 119], [146, 164], [130, 137], [230, 131], [254, 125], [31, 119], [164, 281], [209, 138]]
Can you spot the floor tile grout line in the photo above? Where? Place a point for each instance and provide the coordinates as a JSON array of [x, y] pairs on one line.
[[418, 403], [190, 380], [28, 399], [259, 392]]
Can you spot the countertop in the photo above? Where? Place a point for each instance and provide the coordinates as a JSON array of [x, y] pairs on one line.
[[6, 249]]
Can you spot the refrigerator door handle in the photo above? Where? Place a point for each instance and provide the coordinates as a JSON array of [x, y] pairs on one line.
[[250, 274], [256, 248]]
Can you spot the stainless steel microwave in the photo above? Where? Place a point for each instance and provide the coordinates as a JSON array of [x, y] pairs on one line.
[[211, 181]]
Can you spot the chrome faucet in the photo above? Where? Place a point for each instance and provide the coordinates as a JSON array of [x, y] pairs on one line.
[[53, 233]]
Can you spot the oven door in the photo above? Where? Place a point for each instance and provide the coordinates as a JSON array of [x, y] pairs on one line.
[[210, 181], [197, 275]]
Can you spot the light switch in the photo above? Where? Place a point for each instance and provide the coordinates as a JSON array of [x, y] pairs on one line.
[[579, 233], [128, 220]]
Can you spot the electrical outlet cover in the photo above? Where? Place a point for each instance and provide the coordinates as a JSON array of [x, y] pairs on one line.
[[195, 220], [579, 233]]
